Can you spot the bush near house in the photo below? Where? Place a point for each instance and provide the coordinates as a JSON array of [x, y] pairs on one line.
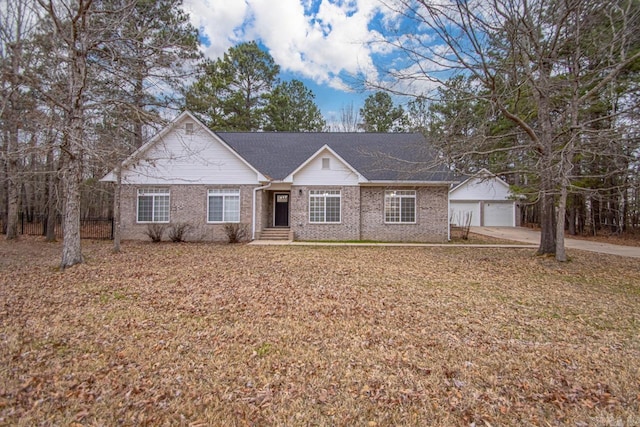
[[236, 232]]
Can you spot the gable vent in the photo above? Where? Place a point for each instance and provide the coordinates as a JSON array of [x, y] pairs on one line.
[[188, 128]]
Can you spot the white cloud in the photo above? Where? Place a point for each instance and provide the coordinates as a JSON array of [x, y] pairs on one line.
[[221, 22], [334, 41]]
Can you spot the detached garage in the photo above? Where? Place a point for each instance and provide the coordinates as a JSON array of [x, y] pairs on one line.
[[485, 198]]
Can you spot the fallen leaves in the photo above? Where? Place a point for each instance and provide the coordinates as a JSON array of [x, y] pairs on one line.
[[241, 335]]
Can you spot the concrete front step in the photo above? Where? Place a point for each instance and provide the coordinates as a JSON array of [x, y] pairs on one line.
[[275, 234]]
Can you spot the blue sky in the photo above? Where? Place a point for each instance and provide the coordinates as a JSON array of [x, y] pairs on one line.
[[324, 43]]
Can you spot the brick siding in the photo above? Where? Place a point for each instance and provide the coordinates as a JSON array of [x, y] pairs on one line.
[[188, 204], [431, 216], [362, 214], [349, 227]]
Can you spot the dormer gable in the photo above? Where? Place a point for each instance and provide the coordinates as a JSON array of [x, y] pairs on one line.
[[325, 167]]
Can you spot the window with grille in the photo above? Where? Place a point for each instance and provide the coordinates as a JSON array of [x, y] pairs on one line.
[[400, 206], [153, 205], [324, 206], [223, 205]]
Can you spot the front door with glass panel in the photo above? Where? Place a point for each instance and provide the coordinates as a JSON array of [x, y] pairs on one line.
[[281, 210]]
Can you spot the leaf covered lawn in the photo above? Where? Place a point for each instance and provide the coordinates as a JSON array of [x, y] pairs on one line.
[[234, 335]]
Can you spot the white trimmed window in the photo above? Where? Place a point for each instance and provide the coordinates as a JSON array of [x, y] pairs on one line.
[[153, 204], [400, 206], [324, 206], [223, 205]]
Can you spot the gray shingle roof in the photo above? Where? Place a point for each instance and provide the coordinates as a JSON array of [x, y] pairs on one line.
[[377, 156]]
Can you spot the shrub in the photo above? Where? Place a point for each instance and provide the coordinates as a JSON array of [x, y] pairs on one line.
[[155, 232], [178, 232], [236, 232], [463, 221]]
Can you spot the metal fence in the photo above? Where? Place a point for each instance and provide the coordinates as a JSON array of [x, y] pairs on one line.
[[36, 225]]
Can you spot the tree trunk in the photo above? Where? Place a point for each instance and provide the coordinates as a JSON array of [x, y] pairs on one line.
[[547, 226], [75, 34], [13, 191], [561, 254], [622, 207], [572, 216], [625, 210], [547, 213], [71, 247], [581, 206], [11, 145], [13, 183], [71, 182], [547, 171]]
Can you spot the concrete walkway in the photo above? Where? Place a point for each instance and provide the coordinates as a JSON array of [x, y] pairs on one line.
[[527, 235]]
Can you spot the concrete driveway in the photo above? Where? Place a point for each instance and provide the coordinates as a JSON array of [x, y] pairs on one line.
[[527, 235]]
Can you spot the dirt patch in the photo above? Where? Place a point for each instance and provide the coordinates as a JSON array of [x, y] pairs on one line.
[[201, 334]]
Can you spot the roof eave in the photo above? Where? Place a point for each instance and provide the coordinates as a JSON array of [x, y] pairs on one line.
[[403, 182]]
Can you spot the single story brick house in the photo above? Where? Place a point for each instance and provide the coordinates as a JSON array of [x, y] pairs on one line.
[[311, 186]]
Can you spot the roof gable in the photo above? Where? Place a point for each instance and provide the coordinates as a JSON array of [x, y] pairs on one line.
[[191, 147], [482, 185], [326, 152]]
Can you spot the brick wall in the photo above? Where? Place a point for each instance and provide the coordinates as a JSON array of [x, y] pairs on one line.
[[348, 229], [262, 214], [188, 204], [431, 216], [362, 214]]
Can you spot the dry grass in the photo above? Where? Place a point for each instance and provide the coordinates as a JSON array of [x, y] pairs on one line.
[[200, 334]]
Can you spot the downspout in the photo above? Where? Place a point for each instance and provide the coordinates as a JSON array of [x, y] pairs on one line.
[[253, 222]]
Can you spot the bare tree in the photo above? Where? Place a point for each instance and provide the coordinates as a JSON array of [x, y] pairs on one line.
[[349, 119], [538, 54], [157, 50], [16, 25], [77, 30], [105, 72]]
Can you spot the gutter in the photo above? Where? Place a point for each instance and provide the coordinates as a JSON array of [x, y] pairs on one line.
[[253, 222], [406, 183]]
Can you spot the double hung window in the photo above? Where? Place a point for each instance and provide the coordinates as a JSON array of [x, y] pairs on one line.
[[153, 204], [324, 206], [223, 205], [400, 207]]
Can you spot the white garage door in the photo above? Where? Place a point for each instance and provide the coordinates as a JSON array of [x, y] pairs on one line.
[[460, 210], [498, 214]]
